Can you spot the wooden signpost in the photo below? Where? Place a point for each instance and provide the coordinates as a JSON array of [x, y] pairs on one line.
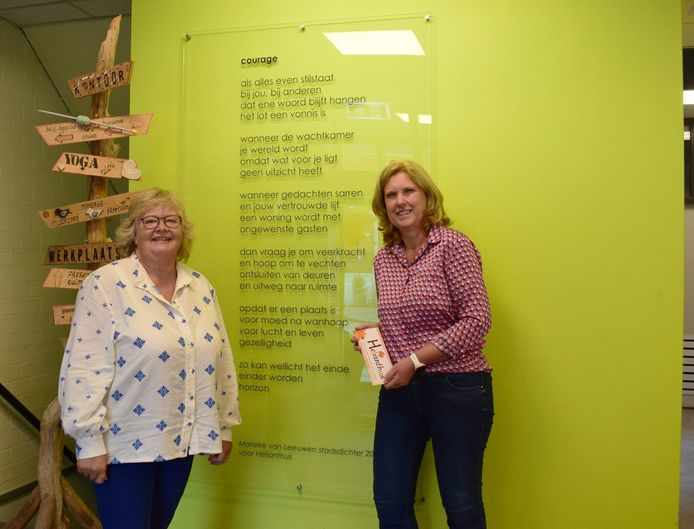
[[73, 132], [86, 211], [53, 493], [100, 252], [65, 277], [95, 82], [103, 166]]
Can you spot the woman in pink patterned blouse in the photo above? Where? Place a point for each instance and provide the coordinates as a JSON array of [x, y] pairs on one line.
[[434, 314]]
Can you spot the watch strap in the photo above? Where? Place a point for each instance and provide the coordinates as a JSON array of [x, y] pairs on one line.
[[417, 363]]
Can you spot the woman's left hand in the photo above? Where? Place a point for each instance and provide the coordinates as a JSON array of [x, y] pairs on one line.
[[221, 458], [400, 374]]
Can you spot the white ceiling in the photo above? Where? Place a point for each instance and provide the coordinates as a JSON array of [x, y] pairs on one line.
[[24, 13], [65, 36]]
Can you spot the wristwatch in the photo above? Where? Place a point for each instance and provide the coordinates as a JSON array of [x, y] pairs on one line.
[[416, 361]]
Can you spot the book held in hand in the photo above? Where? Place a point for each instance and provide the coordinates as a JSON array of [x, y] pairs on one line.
[[373, 350]]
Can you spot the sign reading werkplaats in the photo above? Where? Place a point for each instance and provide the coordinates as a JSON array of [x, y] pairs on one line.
[[104, 252], [95, 82], [91, 165], [73, 132], [84, 211]]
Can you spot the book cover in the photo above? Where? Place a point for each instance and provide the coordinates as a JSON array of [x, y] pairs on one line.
[[373, 350]]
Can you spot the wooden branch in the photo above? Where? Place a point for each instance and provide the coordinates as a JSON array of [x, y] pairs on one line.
[[84, 516], [98, 187], [50, 515], [105, 60], [27, 512], [53, 489]]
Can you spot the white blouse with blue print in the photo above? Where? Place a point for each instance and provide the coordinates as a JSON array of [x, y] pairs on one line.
[[145, 379]]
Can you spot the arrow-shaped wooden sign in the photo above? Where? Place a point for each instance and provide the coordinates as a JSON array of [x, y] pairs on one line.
[[72, 132], [103, 252], [65, 278], [62, 314], [90, 165], [84, 211], [95, 82]]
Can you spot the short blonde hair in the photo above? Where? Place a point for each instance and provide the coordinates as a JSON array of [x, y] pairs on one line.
[[144, 201], [435, 215]]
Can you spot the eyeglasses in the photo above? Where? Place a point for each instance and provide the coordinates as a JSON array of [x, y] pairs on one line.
[[151, 222]]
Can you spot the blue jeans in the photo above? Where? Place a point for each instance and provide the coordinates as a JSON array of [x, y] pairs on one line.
[[455, 410], [142, 495]]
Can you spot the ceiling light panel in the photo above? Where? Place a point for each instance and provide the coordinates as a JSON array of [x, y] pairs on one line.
[[391, 42]]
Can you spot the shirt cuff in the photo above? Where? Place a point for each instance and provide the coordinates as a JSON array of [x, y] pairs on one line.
[[226, 434], [90, 446]]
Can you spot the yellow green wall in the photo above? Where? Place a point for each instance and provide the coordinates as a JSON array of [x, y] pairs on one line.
[[557, 146]]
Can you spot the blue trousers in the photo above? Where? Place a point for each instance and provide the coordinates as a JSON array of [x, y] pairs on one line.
[[142, 495], [455, 411]]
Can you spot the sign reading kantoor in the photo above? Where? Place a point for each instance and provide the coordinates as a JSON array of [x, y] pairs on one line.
[[62, 314], [84, 211], [95, 82], [103, 252], [108, 127], [88, 164], [65, 278]]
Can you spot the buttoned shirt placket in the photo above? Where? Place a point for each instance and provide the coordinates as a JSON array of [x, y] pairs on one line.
[[187, 349]]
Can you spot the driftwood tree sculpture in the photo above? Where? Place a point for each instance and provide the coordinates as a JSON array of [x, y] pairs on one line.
[[53, 491]]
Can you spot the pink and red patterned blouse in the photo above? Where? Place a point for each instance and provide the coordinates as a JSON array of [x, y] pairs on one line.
[[440, 298]]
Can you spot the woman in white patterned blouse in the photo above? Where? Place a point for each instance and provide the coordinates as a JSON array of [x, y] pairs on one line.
[[148, 377]]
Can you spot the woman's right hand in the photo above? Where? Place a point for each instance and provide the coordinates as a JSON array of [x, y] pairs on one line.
[[93, 468], [367, 325]]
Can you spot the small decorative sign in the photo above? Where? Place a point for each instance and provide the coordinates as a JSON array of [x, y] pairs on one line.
[[65, 278], [91, 165], [74, 132], [84, 211], [95, 82], [373, 350], [62, 314]]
